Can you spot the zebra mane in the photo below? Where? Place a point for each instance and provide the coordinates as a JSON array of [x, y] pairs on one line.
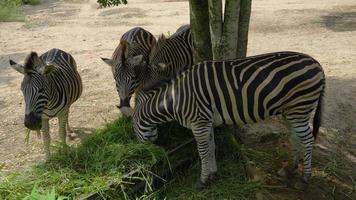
[[122, 50], [160, 42], [119, 52], [156, 84], [162, 80]]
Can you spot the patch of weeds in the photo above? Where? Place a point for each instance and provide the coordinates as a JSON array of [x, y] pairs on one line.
[[11, 10]]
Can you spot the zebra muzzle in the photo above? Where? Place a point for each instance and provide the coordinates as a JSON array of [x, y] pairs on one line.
[[127, 111], [124, 103], [33, 121]]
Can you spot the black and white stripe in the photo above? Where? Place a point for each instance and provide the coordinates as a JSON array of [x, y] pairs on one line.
[[173, 54], [129, 62], [236, 92], [50, 86]]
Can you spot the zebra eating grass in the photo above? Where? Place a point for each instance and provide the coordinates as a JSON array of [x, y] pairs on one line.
[[51, 84], [129, 61], [139, 61], [237, 92]]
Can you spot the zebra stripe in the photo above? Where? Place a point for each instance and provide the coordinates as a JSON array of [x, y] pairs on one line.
[[236, 92], [50, 86], [174, 53], [141, 41]]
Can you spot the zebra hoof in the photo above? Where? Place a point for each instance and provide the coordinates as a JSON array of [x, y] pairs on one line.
[[71, 137], [212, 177], [301, 184], [282, 173], [202, 185], [287, 172]]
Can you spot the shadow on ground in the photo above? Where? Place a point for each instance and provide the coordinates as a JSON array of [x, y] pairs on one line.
[[341, 20]]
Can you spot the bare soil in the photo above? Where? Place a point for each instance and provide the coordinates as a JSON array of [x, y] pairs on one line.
[[325, 30]]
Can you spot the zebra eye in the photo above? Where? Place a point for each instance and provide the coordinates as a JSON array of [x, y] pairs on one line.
[[41, 90]]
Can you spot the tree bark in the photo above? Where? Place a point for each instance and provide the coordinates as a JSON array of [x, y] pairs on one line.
[[230, 29], [199, 22], [244, 23], [216, 27]]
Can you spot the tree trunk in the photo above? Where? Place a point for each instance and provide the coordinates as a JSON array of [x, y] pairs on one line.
[[230, 29], [215, 27], [199, 22], [224, 30], [244, 23]]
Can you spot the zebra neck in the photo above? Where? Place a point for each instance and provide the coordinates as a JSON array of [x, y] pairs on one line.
[[56, 97], [155, 105]]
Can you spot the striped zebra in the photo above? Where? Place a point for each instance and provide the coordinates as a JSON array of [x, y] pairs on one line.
[[129, 61], [51, 84], [236, 92], [173, 54]]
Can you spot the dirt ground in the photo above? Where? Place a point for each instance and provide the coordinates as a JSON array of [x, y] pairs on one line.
[[325, 30]]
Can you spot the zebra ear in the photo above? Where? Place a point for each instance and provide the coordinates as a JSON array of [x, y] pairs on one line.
[[136, 60], [17, 67], [108, 61]]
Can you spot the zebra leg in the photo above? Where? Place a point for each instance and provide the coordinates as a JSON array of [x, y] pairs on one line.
[[46, 137], [206, 148], [68, 127], [296, 149], [303, 132], [290, 170], [69, 130], [62, 126], [38, 133], [212, 159]]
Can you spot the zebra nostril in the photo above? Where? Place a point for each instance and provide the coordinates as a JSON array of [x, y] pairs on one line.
[[125, 102]]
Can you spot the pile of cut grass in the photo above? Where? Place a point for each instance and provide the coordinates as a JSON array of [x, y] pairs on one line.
[[76, 171]]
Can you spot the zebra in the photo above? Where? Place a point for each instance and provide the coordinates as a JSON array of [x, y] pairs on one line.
[[236, 92], [51, 84], [173, 54], [128, 62]]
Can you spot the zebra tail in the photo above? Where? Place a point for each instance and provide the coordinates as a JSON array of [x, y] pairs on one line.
[[318, 115]]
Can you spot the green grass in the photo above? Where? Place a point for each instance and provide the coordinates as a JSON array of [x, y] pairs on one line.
[[11, 10], [106, 154], [74, 172], [230, 184], [52, 195]]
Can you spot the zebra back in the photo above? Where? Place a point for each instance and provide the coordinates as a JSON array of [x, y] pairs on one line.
[[64, 82]]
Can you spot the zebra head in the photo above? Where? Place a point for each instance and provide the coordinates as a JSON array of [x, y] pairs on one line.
[[34, 88], [159, 59], [127, 68]]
